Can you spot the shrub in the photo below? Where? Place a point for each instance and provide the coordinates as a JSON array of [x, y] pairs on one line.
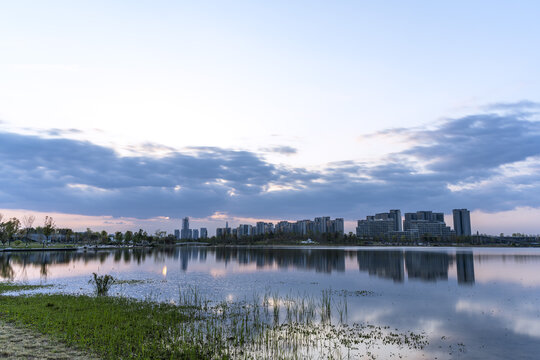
[[102, 284]]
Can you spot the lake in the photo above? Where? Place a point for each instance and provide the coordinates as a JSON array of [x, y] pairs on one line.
[[470, 303]]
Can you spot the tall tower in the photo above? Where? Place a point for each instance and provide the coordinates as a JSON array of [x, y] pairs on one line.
[[185, 223], [185, 233], [396, 215], [462, 222]]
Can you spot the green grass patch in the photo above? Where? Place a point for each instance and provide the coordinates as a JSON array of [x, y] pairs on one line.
[[130, 281], [35, 245], [113, 328], [5, 287], [271, 327]]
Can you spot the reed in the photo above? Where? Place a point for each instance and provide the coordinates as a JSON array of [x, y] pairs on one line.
[[102, 284], [196, 328]]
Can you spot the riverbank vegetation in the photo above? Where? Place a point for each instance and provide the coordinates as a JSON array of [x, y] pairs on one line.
[[264, 327]]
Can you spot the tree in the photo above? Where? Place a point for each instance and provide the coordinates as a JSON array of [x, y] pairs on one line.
[[48, 228], [118, 236], [2, 229], [10, 228], [28, 222], [69, 232], [128, 237], [104, 236]]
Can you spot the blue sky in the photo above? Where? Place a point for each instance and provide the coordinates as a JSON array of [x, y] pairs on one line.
[[131, 114]]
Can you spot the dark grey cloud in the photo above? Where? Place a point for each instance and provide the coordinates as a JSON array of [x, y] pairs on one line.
[[516, 106], [488, 161], [62, 132], [284, 150]]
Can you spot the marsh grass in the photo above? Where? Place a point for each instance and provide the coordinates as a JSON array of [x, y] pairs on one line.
[[102, 284], [9, 286], [130, 281], [196, 328]]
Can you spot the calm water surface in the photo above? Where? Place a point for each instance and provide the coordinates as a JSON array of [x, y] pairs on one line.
[[472, 303]]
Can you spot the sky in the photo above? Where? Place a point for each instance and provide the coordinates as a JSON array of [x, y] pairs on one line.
[[128, 114]]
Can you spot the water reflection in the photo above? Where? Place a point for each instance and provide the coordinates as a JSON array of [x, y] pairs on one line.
[[427, 266], [284, 258], [396, 265], [384, 264], [465, 268], [471, 295]]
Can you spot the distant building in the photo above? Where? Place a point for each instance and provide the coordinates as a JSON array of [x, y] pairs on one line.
[[186, 232], [462, 222], [262, 228], [372, 227], [338, 226], [177, 234], [222, 232], [381, 224], [321, 224], [396, 216], [195, 234], [204, 233], [244, 230], [426, 223]]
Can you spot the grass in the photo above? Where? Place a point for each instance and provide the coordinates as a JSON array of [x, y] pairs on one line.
[[113, 328], [196, 328], [22, 343], [35, 245], [7, 286]]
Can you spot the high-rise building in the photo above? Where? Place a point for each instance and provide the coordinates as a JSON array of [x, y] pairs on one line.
[[426, 223], [195, 234], [204, 233], [380, 224], [262, 228], [396, 216], [244, 230], [177, 234], [462, 222], [338, 226], [373, 226], [186, 232], [322, 224]]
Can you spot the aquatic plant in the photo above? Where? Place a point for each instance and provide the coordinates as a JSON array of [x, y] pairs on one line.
[[196, 328], [102, 284]]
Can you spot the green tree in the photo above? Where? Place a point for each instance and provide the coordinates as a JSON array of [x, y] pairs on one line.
[[68, 234], [10, 228], [118, 236], [104, 236], [128, 237], [48, 228], [2, 229]]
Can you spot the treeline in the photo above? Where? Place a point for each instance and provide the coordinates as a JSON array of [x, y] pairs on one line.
[[23, 230]]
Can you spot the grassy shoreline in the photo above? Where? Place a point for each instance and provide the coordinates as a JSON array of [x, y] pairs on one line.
[[196, 328], [110, 327], [71, 247]]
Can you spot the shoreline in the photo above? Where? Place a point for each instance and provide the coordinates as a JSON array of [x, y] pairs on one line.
[[83, 248]]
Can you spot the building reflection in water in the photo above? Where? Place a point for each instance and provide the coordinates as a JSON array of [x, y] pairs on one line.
[[427, 266], [386, 264], [419, 265], [320, 260], [465, 268]]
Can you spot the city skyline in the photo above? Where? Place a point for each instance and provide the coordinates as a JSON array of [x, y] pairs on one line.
[[385, 225], [250, 112]]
